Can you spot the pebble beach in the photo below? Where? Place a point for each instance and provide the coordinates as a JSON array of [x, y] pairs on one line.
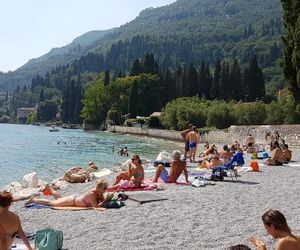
[[211, 217]]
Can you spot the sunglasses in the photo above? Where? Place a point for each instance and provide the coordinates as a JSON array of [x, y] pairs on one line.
[[133, 159]]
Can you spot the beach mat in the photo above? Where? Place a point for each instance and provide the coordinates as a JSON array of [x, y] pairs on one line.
[[36, 206], [145, 197], [72, 208]]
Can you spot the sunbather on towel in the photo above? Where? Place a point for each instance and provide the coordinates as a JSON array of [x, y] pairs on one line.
[[276, 225], [177, 167], [277, 157], [10, 224], [93, 198], [131, 179]]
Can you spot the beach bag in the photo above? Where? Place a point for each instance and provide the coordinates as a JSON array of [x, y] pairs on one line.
[[48, 239], [254, 166], [113, 204]]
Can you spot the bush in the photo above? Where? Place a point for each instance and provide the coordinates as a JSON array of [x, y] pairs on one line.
[[4, 119], [154, 122], [253, 113], [220, 116]]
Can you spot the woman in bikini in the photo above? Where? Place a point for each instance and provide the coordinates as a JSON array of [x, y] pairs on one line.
[[131, 179], [93, 198], [276, 225], [10, 224]]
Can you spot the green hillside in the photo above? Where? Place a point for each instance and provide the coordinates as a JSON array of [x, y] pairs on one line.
[[183, 32]]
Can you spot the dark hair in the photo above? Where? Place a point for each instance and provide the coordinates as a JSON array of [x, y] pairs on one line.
[[5, 199], [276, 143], [285, 146], [137, 157], [277, 219], [240, 247]]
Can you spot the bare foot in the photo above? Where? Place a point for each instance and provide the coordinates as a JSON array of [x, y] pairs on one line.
[[29, 201]]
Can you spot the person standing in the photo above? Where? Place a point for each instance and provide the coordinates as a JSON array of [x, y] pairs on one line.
[[184, 134], [193, 139]]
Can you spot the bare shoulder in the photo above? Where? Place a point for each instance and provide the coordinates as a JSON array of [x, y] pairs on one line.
[[288, 243]]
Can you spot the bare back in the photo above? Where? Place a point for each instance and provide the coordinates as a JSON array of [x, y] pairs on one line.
[[288, 243], [9, 226]]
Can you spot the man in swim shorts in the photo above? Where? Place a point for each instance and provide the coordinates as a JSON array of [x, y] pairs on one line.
[[184, 134], [178, 166], [193, 139]]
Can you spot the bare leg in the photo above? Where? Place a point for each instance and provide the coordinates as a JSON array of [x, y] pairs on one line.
[[61, 202], [50, 190], [158, 171], [121, 176]]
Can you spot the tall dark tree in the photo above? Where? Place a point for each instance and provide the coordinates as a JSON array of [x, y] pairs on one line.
[[291, 65], [214, 91], [136, 68], [106, 77], [192, 77], [254, 83], [236, 87], [224, 85]]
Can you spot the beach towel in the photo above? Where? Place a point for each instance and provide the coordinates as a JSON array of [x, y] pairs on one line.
[[36, 206], [72, 208], [145, 197]]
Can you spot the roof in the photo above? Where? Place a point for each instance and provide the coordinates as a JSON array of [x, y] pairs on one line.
[[155, 114]]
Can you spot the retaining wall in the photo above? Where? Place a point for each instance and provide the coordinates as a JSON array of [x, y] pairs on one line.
[[290, 133]]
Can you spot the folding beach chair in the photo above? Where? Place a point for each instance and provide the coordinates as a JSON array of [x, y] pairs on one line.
[[237, 160]]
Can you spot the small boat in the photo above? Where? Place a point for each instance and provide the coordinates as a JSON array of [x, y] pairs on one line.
[[53, 129]]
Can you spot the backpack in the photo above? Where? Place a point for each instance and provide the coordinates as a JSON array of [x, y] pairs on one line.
[[49, 239]]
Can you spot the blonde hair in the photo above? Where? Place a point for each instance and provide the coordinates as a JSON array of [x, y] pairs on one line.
[[176, 153], [101, 183]]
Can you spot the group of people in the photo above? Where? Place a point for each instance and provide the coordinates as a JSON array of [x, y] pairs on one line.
[[274, 221], [10, 225]]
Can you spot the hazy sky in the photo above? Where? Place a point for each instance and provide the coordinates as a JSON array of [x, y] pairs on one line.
[[31, 28]]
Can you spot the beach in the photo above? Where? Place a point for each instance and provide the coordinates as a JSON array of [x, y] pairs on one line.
[[210, 217]]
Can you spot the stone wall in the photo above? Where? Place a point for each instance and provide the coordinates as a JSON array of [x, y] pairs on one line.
[[290, 133], [167, 134]]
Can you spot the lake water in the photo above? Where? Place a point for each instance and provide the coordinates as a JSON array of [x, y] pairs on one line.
[[26, 148]]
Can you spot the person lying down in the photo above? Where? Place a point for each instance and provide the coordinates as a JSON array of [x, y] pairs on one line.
[[93, 198]]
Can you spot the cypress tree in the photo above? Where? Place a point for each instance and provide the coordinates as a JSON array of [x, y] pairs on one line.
[[106, 78], [291, 62], [214, 91], [136, 68]]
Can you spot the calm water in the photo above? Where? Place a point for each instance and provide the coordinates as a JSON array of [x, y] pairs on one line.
[[26, 148]]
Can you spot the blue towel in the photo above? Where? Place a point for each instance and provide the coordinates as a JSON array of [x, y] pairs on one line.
[[37, 206]]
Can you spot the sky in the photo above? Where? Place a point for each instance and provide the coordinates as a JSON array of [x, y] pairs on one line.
[[31, 28]]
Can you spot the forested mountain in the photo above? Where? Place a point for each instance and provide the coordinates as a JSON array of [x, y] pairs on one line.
[[56, 57], [187, 31]]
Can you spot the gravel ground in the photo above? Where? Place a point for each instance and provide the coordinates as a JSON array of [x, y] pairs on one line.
[[210, 217]]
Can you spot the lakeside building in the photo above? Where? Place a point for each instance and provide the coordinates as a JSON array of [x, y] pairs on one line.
[[24, 113]]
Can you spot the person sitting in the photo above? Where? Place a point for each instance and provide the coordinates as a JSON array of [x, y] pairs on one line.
[[131, 179], [277, 157], [226, 154], [93, 198], [209, 150], [214, 161], [10, 224], [178, 166], [276, 225], [287, 153], [126, 152], [250, 140], [208, 158]]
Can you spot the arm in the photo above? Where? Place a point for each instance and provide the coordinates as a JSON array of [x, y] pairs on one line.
[[23, 236], [107, 198], [258, 243], [186, 175]]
